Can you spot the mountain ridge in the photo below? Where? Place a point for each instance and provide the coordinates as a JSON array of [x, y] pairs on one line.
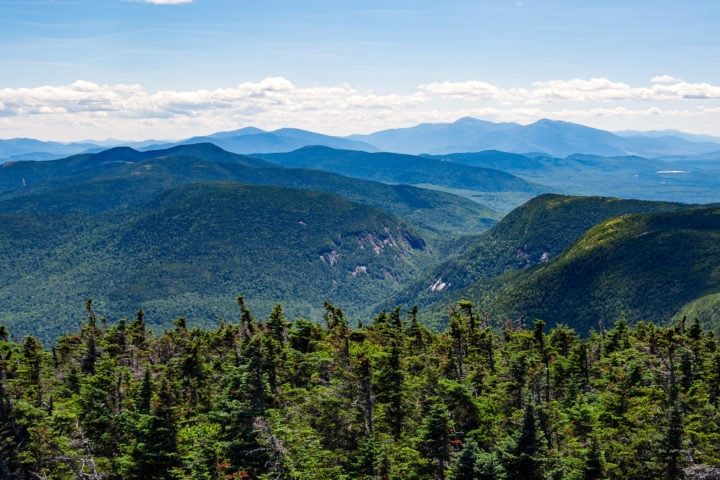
[[466, 134], [494, 188], [124, 177], [552, 137], [530, 235], [612, 272], [194, 248]]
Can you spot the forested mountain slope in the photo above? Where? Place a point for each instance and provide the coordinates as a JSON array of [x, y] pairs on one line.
[[639, 267], [495, 188], [194, 248], [123, 178], [531, 234]]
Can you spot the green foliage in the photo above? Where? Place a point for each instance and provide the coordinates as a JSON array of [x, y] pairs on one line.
[[475, 182], [528, 236], [188, 252], [319, 400], [434, 435], [84, 226], [524, 457], [640, 267]]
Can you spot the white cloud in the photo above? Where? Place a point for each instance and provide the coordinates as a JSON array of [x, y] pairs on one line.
[[85, 109], [471, 90], [664, 79], [272, 102], [576, 90]]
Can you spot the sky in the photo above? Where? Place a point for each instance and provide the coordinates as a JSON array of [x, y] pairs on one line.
[[74, 70]]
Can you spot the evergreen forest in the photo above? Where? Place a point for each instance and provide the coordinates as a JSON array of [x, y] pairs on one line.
[[552, 335], [267, 398]]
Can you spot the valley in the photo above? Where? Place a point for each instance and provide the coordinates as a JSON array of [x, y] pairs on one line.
[[182, 229]]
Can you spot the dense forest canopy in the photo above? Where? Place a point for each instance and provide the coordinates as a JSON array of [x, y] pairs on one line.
[[449, 390], [386, 399]]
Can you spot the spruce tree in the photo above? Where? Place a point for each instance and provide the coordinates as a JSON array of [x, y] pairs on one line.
[[523, 458], [465, 465], [154, 455], [434, 434]]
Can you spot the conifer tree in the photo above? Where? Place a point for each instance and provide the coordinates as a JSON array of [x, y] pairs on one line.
[[13, 435], [99, 409], [672, 439], [434, 435], [389, 386], [235, 411], [364, 376], [247, 322], [32, 366], [145, 393], [138, 337], [154, 455], [523, 459], [465, 465], [458, 334], [338, 333], [593, 461], [91, 333], [275, 341], [540, 342], [277, 325], [415, 332]]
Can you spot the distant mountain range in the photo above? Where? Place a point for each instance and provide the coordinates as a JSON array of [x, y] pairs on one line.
[[183, 228], [31, 149], [252, 140], [555, 138], [122, 177], [685, 178], [488, 186]]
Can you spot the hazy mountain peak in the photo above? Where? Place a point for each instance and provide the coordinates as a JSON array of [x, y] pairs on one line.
[[467, 134], [119, 152], [472, 121]]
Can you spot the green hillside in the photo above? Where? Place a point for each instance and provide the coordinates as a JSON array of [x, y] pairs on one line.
[[434, 210], [123, 178], [639, 267], [192, 250], [531, 234], [23, 176], [147, 230], [495, 188]]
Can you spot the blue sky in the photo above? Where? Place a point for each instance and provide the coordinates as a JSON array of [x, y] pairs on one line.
[[131, 69]]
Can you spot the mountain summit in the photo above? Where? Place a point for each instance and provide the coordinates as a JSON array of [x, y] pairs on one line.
[[552, 137]]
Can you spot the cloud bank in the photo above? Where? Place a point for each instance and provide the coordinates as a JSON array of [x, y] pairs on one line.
[[92, 110], [578, 90]]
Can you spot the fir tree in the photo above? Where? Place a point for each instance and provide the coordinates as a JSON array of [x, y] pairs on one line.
[[465, 465], [523, 459], [434, 435]]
